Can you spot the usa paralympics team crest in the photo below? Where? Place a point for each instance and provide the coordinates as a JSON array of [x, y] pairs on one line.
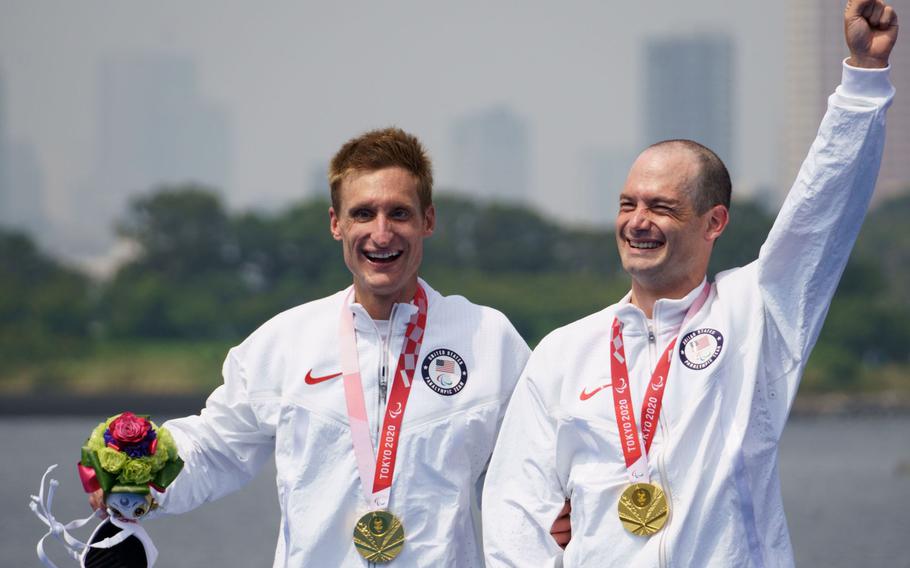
[[444, 371], [700, 348]]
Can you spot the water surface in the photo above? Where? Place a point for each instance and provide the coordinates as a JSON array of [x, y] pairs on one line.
[[846, 485]]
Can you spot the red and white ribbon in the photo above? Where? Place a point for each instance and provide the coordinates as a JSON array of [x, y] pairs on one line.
[[634, 447], [379, 466]]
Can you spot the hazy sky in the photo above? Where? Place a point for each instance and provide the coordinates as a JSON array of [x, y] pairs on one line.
[[299, 78]]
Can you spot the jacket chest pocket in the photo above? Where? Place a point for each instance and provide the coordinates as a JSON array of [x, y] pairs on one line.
[[592, 468], [589, 452], [308, 444]]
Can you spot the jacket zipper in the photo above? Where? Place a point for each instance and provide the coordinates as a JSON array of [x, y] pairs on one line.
[[384, 341], [660, 464]]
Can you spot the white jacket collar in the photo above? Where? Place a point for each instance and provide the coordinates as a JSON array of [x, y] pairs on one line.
[[667, 314], [401, 312]]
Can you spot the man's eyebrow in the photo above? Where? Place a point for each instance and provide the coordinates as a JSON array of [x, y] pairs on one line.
[[657, 200]]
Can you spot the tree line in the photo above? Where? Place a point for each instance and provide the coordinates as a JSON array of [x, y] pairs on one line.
[[202, 272]]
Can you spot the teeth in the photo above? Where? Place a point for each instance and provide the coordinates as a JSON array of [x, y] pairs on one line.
[[644, 245], [382, 255]]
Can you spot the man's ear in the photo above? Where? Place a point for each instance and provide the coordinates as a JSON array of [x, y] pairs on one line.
[[333, 224], [718, 218], [429, 220]]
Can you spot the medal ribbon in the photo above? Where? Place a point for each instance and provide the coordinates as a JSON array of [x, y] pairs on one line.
[[372, 465], [634, 447]]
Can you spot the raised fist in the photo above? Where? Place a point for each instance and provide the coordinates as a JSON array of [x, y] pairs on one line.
[[870, 28]]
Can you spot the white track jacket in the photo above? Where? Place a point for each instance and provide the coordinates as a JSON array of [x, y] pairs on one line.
[[278, 395], [724, 408]]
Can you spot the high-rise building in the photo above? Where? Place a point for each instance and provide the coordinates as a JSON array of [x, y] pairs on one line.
[[492, 155], [689, 91], [815, 51], [4, 156], [24, 206], [21, 181], [155, 127]]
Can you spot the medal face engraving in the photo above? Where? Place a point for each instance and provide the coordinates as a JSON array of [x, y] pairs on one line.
[[643, 509], [379, 536]]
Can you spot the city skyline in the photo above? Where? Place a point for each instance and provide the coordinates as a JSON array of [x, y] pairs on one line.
[[154, 128], [295, 81]]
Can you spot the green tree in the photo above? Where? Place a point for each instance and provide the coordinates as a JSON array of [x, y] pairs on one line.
[[180, 231], [44, 306], [740, 243], [187, 273]]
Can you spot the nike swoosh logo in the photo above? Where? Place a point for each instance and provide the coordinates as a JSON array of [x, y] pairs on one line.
[[585, 395], [311, 380]]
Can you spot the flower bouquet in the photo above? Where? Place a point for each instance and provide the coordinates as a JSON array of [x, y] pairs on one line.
[[127, 454], [125, 457]]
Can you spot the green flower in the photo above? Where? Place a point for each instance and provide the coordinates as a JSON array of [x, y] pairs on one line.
[[96, 440], [136, 471], [158, 459], [166, 445], [111, 460]]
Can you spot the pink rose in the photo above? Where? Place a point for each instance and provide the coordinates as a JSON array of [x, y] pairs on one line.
[[128, 429]]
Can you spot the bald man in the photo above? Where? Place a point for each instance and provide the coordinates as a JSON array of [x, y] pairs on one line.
[[658, 418]]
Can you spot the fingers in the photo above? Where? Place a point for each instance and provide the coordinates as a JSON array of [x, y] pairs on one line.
[[888, 18], [562, 525], [561, 531], [861, 8], [870, 29], [876, 15], [96, 500], [562, 539]]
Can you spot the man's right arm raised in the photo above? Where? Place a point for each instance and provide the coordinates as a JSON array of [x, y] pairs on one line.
[[800, 264]]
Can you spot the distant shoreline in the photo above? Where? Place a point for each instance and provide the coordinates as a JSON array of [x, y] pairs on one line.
[[68, 404]]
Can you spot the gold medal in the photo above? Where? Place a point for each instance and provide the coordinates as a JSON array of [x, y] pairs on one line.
[[379, 536], [643, 509]]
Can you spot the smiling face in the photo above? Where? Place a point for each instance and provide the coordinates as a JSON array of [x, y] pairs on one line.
[[381, 227], [663, 241]]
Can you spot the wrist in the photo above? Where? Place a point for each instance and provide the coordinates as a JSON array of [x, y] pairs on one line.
[[866, 62]]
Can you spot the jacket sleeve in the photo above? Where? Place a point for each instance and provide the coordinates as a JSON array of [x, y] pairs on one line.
[[523, 494], [800, 264], [515, 353], [222, 448], [515, 358]]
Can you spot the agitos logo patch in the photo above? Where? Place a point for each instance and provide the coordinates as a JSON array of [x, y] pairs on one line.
[[444, 371], [700, 348]]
